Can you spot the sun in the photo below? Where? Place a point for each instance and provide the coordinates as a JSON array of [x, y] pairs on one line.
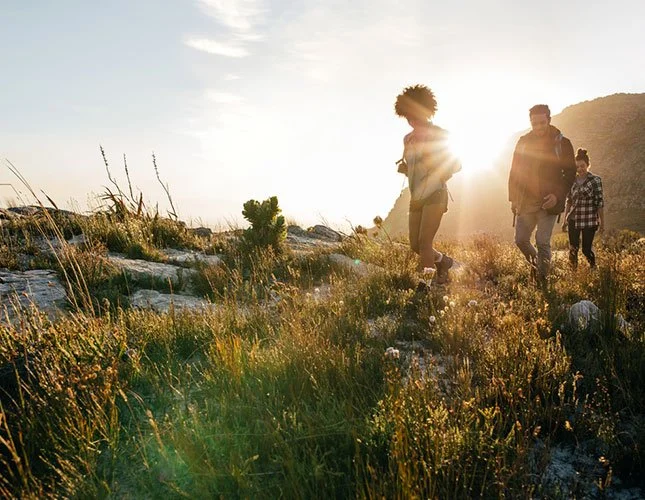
[[478, 149]]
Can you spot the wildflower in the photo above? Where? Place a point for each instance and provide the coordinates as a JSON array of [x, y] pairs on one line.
[[452, 303], [432, 319], [316, 290], [341, 302], [446, 298], [392, 353], [442, 313], [472, 303]]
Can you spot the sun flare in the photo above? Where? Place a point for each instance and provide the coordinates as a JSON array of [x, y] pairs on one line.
[[478, 149]]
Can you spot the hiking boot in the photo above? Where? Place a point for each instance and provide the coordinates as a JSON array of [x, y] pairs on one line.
[[443, 266], [532, 260]]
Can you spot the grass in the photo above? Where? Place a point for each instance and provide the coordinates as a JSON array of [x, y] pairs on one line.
[[284, 390]]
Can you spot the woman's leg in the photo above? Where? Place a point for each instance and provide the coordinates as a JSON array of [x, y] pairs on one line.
[[574, 245], [429, 225], [414, 220], [587, 240]]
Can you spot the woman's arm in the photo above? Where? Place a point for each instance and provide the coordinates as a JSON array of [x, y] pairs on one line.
[[600, 203]]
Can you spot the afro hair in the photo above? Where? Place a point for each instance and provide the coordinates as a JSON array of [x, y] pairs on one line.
[[417, 100]]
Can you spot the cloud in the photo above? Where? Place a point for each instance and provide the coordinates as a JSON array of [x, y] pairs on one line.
[[241, 16], [326, 44], [223, 97], [215, 47]]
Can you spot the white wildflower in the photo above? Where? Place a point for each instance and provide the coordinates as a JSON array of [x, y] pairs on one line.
[[429, 271], [446, 298], [392, 353], [472, 303], [442, 313], [452, 303], [432, 319], [316, 290]]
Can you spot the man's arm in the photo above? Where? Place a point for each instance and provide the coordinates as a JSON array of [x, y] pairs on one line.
[[513, 177]]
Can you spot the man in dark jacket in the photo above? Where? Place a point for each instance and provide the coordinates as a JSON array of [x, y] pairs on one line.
[[542, 172]]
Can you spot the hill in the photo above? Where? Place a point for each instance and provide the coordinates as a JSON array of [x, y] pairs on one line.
[[610, 128]]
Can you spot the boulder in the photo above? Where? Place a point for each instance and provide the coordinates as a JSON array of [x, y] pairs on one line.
[[163, 302], [143, 270], [187, 257], [325, 233], [584, 315], [22, 290], [202, 232]]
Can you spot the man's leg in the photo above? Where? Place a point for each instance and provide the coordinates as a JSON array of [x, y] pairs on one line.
[[524, 226], [545, 225], [574, 245], [587, 240]]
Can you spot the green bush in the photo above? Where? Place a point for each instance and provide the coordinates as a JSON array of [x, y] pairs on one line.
[[268, 228]]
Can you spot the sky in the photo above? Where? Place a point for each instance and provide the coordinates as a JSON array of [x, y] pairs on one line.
[[242, 99]]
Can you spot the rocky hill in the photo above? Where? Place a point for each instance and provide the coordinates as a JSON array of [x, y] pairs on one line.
[[610, 128]]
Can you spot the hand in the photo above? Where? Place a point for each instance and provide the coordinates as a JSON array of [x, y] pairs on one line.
[[549, 201], [402, 166]]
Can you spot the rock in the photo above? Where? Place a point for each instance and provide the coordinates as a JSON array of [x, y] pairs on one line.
[[202, 232], [162, 302], [302, 241], [32, 210], [22, 290], [575, 472], [297, 231], [6, 214], [355, 265], [143, 270], [78, 240], [584, 315], [325, 233], [187, 257], [622, 325]]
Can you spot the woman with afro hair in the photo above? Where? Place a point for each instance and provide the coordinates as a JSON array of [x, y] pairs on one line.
[[428, 164]]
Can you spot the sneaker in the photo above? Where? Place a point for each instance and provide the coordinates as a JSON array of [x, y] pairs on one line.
[[423, 287], [442, 269]]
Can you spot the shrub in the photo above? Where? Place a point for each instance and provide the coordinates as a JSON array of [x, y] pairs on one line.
[[268, 228]]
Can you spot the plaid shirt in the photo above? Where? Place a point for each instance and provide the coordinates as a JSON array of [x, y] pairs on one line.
[[583, 202]]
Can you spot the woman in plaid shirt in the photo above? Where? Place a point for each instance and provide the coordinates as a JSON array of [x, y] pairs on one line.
[[583, 212]]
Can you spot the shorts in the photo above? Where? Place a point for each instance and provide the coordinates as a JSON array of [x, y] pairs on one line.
[[439, 197]]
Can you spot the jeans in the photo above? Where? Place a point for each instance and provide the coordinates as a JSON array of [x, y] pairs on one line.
[[574, 244], [524, 226]]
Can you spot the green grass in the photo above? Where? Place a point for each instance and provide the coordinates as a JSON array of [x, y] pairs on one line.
[[284, 391]]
